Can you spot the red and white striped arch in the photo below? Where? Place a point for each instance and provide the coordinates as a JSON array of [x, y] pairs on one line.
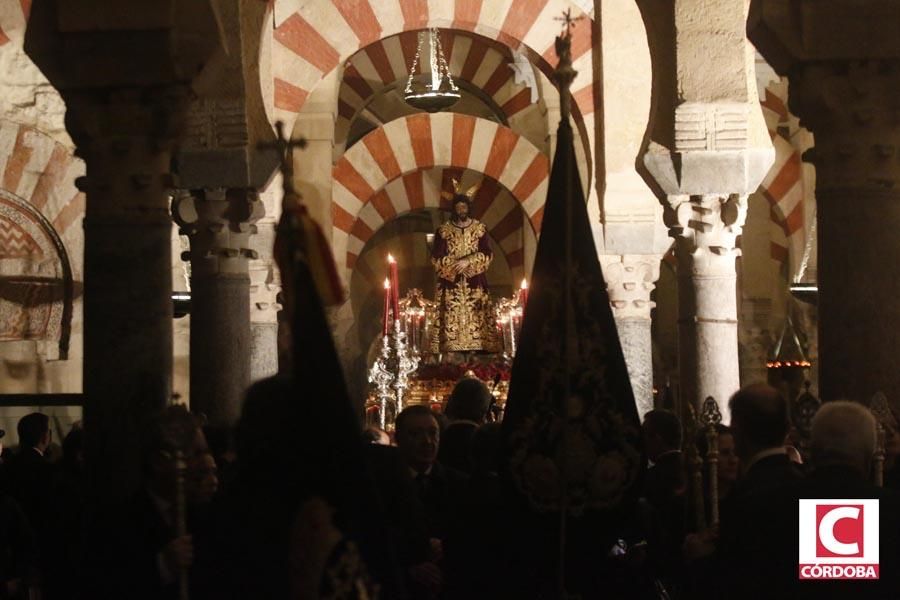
[[42, 171], [481, 62], [783, 185], [400, 149], [312, 38]]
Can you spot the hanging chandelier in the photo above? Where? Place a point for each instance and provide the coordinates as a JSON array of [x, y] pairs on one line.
[[438, 93]]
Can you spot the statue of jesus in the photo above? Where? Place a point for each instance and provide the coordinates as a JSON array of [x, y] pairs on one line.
[[461, 255]]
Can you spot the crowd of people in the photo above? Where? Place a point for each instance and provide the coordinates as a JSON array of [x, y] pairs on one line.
[[753, 550], [40, 510], [262, 512]]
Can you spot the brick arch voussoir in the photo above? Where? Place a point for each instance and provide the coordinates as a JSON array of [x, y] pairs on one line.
[[368, 167], [322, 41]]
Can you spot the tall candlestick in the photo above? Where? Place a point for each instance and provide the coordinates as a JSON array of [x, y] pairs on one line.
[[523, 294], [386, 327], [395, 286]]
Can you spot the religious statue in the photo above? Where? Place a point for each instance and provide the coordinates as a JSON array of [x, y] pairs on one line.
[[461, 255]]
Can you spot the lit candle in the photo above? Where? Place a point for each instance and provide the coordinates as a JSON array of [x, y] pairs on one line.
[[523, 293], [387, 307], [395, 286]]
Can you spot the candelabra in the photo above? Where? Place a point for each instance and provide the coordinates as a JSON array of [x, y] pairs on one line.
[[407, 363], [390, 374], [380, 375]]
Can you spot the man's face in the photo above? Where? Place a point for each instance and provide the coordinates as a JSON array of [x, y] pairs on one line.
[[728, 460], [418, 441], [461, 211], [202, 480]]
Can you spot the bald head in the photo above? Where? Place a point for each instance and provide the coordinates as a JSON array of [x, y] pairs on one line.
[[759, 417], [843, 433]]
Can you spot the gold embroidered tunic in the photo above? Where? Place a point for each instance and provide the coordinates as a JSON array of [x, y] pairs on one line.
[[464, 321]]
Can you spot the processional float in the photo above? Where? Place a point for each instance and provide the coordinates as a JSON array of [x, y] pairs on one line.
[[407, 371]]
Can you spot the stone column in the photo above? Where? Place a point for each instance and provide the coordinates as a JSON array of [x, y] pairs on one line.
[[126, 144], [844, 84], [264, 287], [630, 279], [705, 229], [126, 77], [219, 224], [708, 149]]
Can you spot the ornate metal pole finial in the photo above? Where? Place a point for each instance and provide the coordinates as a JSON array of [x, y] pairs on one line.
[[710, 418], [565, 74], [884, 421]]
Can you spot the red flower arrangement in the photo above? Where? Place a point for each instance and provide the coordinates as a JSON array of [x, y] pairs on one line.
[[486, 372]]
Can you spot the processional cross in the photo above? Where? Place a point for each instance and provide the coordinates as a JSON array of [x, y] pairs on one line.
[[284, 146], [564, 74], [568, 21]]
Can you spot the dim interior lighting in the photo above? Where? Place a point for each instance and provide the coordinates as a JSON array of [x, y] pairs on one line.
[[440, 92]]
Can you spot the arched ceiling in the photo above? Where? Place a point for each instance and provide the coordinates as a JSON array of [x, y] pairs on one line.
[[374, 79], [312, 38]]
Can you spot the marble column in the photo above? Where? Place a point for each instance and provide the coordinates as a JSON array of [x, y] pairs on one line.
[[265, 285], [705, 229], [845, 89], [708, 149], [630, 279], [219, 224]]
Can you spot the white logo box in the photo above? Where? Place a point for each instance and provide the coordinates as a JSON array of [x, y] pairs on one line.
[[814, 566]]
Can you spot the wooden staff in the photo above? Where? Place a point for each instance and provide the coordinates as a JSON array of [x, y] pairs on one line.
[[710, 418], [883, 420], [179, 428], [695, 464], [879, 456]]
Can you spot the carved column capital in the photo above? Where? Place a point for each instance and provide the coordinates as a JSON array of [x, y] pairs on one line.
[[630, 278], [707, 226], [851, 107], [219, 224]]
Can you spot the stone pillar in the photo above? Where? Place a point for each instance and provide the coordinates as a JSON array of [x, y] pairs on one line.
[[126, 144], [708, 149], [264, 287], [219, 224], [126, 77], [705, 229], [630, 279], [844, 84]]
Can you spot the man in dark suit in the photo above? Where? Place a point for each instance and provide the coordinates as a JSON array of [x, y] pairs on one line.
[[30, 477], [28, 469], [440, 489], [757, 545]]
